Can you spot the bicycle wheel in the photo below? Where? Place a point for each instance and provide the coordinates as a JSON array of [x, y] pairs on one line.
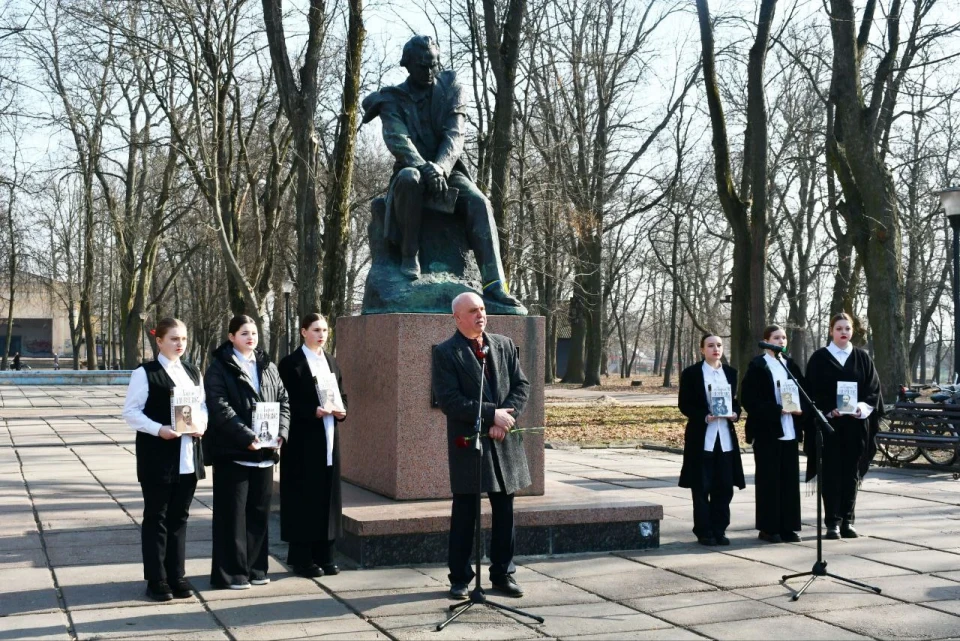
[[897, 453], [940, 456]]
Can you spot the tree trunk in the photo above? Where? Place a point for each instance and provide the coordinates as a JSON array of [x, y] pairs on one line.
[[503, 51], [671, 342], [578, 333], [336, 228]]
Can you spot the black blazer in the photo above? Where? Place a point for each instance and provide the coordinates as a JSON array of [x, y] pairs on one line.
[[456, 386], [693, 404], [760, 400], [231, 398], [303, 470]]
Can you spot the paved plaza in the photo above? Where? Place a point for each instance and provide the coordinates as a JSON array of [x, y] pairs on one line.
[[70, 510]]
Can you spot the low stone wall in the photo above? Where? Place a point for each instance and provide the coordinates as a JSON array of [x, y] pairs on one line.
[[65, 377]]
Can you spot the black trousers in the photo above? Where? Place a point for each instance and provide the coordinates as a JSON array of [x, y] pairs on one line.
[[502, 536], [163, 533], [841, 457], [711, 501], [778, 486], [241, 510], [306, 554]]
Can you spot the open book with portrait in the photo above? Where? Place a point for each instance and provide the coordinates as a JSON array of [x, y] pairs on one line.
[[846, 397], [721, 400], [789, 396], [185, 415], [329, 393], [266, 424]]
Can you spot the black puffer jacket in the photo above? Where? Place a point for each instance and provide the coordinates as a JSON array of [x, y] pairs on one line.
[[230, 402]]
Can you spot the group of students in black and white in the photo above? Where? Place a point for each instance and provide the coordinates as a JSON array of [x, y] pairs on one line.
[[169, 463], [711, 456]]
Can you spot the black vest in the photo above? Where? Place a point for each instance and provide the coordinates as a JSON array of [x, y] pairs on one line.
[[158, 460]]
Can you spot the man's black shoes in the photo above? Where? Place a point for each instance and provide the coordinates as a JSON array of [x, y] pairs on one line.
[[706, 540], [770, 538], [159, 591], [847, 532], [507, 586], [308, 571], [330, 569], [459, 591], [833, 533], [181, 589]]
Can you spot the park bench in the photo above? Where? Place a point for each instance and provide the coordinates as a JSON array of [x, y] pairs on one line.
[[913, 429]]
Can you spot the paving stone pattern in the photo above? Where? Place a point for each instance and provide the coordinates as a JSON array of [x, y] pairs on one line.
[[70, 511]]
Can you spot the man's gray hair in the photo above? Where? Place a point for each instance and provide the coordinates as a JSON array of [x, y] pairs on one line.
[[460, 297]]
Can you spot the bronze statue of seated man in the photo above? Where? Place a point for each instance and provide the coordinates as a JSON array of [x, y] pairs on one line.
[[423, 120]]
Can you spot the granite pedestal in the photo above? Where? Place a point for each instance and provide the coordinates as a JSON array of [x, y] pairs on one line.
[[394, 440], [380, 532]]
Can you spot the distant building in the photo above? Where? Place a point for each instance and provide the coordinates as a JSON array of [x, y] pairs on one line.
[[41, 326]]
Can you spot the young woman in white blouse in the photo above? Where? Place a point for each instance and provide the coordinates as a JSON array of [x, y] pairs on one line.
[[310, 504], [168, 463], [774, 433]]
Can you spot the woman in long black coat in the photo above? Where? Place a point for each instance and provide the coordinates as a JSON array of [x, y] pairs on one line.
[[711, 454], [846, 452], [310, 503], [774, 434]]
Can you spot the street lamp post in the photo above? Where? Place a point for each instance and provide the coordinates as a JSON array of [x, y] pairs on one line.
[[287, 288], [143, 336], [950, 199]]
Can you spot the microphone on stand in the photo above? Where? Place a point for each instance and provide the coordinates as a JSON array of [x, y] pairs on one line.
[[776, 349]]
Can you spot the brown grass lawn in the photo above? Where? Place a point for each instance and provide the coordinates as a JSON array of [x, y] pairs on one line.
[[607, 424], [650, 383]]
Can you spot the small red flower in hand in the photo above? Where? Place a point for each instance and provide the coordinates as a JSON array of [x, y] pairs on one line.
[[462, 442]]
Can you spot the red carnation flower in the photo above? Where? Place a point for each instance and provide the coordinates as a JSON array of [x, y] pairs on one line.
[[153, 332], [462, 442]]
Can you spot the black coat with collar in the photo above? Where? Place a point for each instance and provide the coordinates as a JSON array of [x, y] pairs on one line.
[[231, 398], [303, 470], [456, 381], [759, 398], [693, 404], [823, 373]]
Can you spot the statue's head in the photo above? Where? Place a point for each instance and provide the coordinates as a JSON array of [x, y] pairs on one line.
[[421, 59]]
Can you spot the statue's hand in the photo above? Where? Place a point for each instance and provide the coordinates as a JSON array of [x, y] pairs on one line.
[[433, 178]]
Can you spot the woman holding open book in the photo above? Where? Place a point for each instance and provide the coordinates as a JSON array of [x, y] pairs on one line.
[[310, 504], [771, 399], [244, 391], [169, 460], [843, 383], [711, 454]]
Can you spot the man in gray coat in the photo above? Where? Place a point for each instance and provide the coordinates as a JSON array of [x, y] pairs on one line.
[[503, 461]]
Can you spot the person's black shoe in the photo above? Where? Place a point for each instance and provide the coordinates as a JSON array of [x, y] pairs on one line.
[[833, 533], [312, 571], [159, 591], [790, 537], [847, 532], [410, 267], [330, 569], [722, 540], [459, 591], [769, 538], [181, 589], [706, 540], [507, 586]]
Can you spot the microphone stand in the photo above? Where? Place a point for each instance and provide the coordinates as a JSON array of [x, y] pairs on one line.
[[820, 567], [477, 595]]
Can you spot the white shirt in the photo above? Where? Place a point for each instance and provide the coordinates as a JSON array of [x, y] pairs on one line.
[[249, 365], [713, 377], [780, 376], [320, 368], [137, 392], [842, 355]]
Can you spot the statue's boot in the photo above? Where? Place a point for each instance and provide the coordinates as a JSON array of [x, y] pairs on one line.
[[496, 292], [410, 267]]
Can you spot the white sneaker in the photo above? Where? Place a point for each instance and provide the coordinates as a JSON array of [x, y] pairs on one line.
[[262, 581], [239, 586]]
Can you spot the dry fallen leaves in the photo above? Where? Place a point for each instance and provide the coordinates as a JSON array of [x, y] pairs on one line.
[[606, 424]]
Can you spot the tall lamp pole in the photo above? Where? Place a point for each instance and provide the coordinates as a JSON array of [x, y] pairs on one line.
[[143, 335], [950, 199], [287, 287]]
